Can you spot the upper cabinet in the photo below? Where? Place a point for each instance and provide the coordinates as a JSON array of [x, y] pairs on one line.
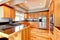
[[57, 12], [7, 12]]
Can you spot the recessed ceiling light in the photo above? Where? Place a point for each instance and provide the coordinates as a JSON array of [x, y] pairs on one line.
[[25, 1], [7, 3], [40, 3]]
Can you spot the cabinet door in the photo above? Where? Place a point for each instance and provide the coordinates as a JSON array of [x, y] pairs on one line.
[[12, 13], [6, 12], [57, 12], [9, 12]]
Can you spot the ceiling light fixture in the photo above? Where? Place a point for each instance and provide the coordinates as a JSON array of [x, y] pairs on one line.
[[40, 3], [7, 3], [25, 1]]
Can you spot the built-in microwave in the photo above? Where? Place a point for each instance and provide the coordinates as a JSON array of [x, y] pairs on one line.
[[51, 24]]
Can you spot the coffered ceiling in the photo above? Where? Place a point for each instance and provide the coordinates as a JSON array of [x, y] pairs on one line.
[[31, 5], [35, 5]]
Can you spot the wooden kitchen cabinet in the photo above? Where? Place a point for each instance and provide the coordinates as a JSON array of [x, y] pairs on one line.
[[56, 12], [56, 33], [7, 12], [12, 13]]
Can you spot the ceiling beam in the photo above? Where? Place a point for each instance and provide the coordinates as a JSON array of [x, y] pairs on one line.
[[15, 2], [19, 9]]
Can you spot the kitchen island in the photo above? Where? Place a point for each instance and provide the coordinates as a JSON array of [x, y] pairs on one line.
[[8, 29]]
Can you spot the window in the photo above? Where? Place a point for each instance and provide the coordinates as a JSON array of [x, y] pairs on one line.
[[19, 16]]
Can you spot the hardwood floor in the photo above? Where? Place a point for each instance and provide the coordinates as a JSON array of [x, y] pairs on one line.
[[39, 34]]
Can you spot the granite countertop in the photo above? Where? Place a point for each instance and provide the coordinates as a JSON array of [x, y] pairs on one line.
[[3, 27], [6, 25]]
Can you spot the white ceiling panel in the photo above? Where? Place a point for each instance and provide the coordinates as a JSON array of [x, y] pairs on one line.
[[3, 1], [33, 4], [14, 2], [19, 9]]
